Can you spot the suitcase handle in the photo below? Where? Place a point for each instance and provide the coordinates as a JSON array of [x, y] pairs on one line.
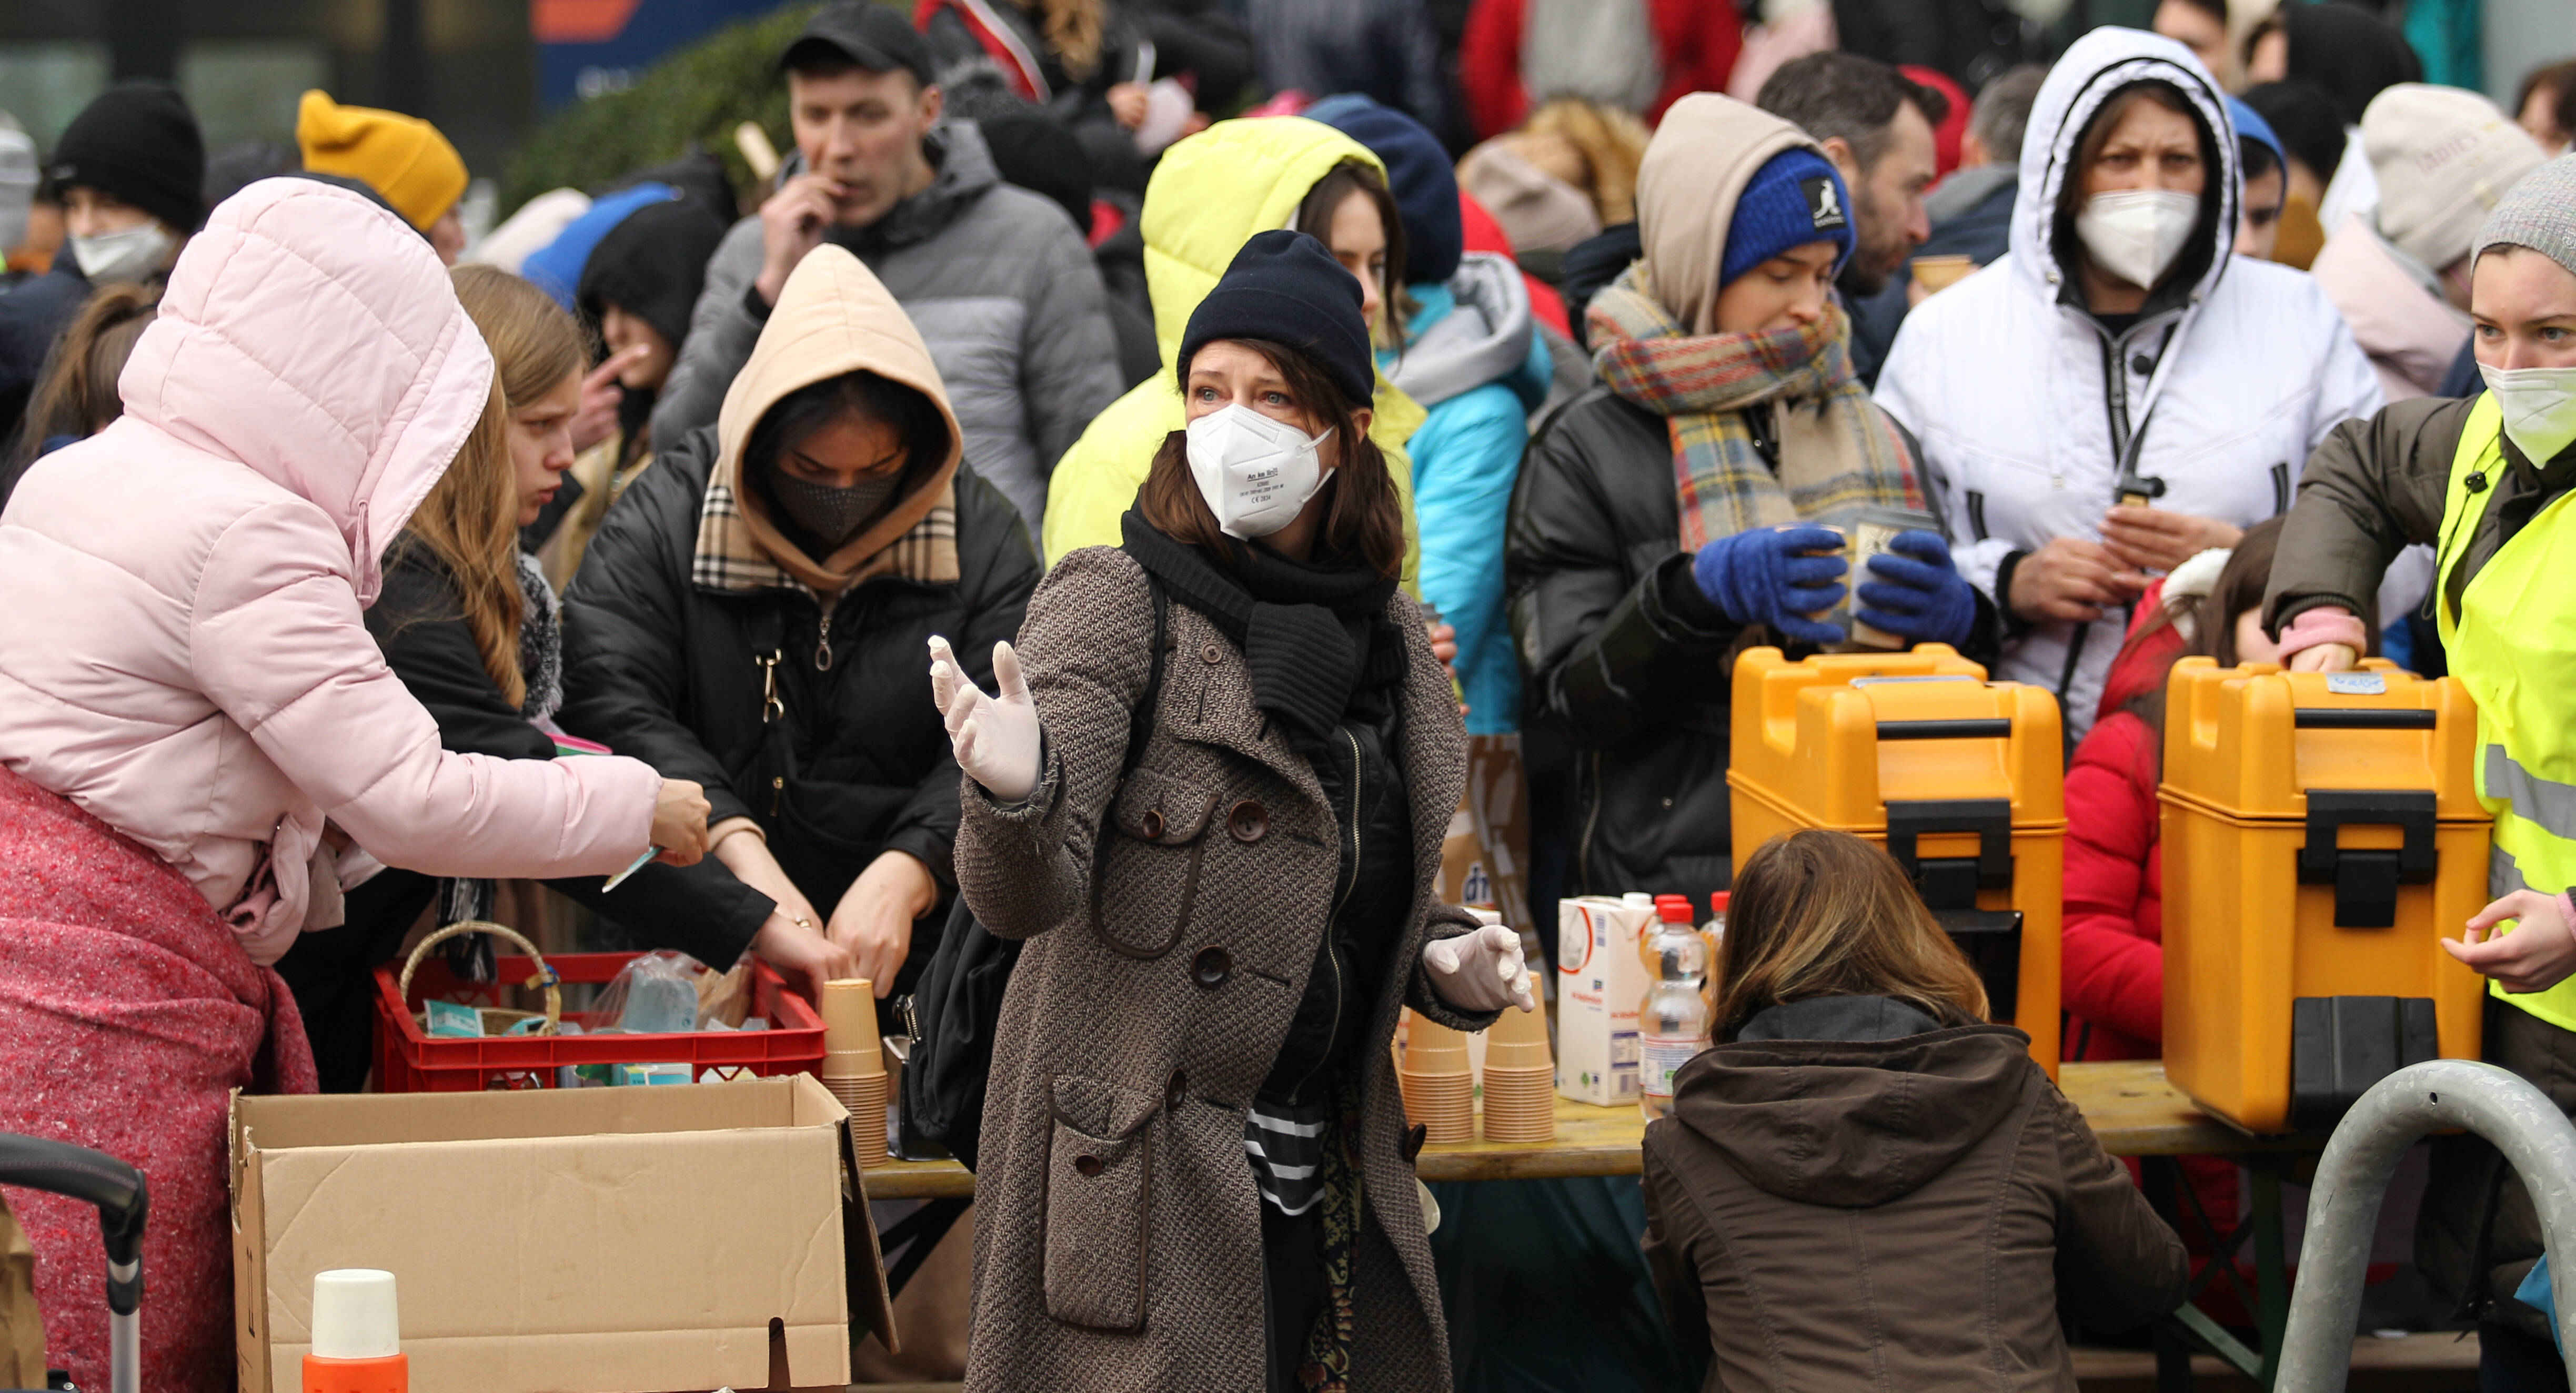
[[123, 1201]]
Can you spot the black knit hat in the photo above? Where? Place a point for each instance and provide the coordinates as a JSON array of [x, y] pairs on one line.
[[1284, 287], [137, 141], [652, 266]]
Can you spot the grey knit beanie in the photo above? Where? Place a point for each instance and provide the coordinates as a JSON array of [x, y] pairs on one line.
[[2540, 214]]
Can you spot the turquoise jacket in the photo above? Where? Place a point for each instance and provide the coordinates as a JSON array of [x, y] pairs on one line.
[[1474, 362]]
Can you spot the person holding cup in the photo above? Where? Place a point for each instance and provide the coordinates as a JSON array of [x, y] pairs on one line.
[[1685, 509]]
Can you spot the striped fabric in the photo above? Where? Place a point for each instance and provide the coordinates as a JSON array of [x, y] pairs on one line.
[[729, 558], [1838, 453], [1286, 1147]]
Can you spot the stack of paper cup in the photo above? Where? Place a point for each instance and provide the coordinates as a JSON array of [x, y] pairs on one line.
[[1520, 1078], [1439, 1089], [854, 1062]]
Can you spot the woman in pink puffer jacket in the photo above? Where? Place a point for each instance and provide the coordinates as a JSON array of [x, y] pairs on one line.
[[200, 743]]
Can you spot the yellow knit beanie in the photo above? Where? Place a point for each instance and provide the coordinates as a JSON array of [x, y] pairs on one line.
[[402, 157]]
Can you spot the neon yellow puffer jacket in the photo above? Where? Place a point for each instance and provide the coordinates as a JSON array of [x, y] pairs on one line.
[[1209, 195]]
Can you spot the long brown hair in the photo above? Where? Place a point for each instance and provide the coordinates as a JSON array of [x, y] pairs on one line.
[[1361, 519], [1818, 913], [470, 521], [77, 395], [1315, 219]]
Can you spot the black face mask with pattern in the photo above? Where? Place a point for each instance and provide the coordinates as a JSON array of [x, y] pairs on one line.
[[830, 513]]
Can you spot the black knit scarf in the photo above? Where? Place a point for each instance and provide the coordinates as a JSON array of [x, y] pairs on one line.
[[1315, 639]]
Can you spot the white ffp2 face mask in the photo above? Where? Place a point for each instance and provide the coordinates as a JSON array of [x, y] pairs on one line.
[[129, 254], [1254, 472], [2135, 234], [2539, 408]]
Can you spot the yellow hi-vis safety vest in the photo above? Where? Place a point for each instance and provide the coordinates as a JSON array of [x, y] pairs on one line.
[[2513, 645]]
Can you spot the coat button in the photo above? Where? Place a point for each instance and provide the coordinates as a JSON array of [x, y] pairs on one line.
[[2142, 365], [1212, 655], [1088, 1165], [1212, 967], [1151, 824], [1176, 1092], [1248, 821]]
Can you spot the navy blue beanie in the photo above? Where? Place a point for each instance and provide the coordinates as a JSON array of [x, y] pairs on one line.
[[1285, 288], [1796, 197], [1418, 173]]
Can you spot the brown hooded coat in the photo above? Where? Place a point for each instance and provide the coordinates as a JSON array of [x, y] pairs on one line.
[[1892, 1214], [1118, 1241]]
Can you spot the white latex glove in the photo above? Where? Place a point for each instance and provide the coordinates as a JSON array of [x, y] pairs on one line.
[[1481, 971], [996, 738]]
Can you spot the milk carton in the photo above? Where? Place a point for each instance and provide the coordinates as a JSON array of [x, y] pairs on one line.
[[1601, 980]]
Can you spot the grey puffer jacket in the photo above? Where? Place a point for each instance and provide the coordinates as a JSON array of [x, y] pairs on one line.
[[999, 284]]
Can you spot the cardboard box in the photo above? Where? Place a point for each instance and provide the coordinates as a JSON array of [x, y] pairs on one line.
[[1600, 984], [607, 1240]]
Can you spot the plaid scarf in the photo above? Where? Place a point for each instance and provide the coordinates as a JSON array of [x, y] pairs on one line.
[[728, 557], [1837, 453]]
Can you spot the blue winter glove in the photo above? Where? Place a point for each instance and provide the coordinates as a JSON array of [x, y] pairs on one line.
[[1759, 577], [1915, 593]]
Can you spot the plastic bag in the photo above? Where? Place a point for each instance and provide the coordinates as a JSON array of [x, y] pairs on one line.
[[656, 994]]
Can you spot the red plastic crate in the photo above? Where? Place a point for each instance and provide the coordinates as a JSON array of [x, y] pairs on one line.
[[409, 1060]]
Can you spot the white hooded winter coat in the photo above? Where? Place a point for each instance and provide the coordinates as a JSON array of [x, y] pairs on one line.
[[2024, 403]]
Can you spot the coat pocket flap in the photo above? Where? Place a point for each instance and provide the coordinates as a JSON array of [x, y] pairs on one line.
[[1103, 1111], [1154, 807]]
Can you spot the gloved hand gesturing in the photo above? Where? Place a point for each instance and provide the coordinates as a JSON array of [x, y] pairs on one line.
[[1481, 971], [996, 737], [1914, 592], [1760, 577]]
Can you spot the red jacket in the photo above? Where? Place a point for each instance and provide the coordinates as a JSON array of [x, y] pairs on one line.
[[1697, 40], [2114, 985]]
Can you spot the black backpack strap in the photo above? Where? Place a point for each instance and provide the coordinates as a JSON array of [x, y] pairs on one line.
[[1140, 721]]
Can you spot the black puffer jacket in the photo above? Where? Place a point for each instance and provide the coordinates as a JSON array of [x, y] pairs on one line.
[[1626, 658], [661, 667]]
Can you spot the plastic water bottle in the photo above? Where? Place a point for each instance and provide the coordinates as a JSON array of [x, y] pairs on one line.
[[1672, 1023]]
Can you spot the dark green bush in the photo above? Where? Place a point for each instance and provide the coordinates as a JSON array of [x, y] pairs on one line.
[[697, 95]]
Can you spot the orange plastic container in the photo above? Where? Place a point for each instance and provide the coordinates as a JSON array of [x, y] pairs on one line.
[[1961, 779], [2321, 834]]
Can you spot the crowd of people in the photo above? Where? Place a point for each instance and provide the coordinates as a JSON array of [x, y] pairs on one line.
[[1112, 475]]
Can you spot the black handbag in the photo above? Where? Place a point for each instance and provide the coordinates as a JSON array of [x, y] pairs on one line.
[[955, 1010]]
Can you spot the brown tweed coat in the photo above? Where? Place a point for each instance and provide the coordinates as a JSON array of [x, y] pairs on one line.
[[1118, 1235]]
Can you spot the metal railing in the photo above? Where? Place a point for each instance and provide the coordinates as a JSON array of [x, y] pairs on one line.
[[2343, 1203]]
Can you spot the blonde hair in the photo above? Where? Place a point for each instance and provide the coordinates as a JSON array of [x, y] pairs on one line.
[[1073, 29], [1595, 148], [1817, 914], [470, 522]]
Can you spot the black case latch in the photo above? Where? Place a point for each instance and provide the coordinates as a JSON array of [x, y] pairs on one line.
[[2366, 881]]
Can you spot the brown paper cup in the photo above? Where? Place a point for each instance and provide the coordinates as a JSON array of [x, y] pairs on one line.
[[1520, 1103], [1519, 1039], [1432, 1048], [865, 1097], [1443, 1105], [848, 1007]]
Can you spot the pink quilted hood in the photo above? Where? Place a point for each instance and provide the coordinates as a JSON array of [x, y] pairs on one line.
[[301, 337]]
